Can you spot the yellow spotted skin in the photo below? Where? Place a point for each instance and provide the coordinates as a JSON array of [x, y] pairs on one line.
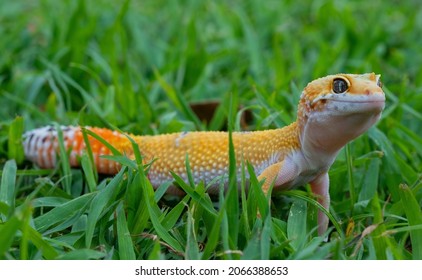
[[208, 152]]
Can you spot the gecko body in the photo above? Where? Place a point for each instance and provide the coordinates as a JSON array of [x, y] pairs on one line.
[[332, 111]]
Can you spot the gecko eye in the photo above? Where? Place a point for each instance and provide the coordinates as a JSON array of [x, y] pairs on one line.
[[340, 85]]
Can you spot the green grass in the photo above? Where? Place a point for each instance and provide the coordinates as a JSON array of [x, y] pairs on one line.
[[136, 66]]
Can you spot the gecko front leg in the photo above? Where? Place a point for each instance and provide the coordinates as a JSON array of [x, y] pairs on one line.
[[279, 173], [320, 187], [269, 175], [284, 172]]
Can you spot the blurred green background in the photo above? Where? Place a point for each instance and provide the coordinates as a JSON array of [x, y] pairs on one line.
[[80, 61]]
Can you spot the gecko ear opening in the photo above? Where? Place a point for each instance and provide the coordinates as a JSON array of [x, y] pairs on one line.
[[378, 79], [340, 85]]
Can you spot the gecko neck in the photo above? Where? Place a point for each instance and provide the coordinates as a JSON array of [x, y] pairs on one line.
[[322, 137], [320, 144]]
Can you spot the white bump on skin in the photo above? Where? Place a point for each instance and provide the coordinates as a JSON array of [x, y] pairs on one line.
[[179, 138]]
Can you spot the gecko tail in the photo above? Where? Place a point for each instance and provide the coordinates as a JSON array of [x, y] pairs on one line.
[[41, 146]]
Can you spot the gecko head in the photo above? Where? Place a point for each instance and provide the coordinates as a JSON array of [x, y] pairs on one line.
[[343, 94], [338, 108]]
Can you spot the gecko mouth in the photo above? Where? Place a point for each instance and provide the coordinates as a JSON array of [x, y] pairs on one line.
[[355, 98], [356, 106], [372, 103]]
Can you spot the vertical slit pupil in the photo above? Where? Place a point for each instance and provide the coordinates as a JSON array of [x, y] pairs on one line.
[[339, 85]]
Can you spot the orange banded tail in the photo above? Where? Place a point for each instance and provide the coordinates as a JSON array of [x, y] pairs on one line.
[[41, 147]]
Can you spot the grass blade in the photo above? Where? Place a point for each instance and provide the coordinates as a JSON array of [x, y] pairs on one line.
[[45, 247], [256, 197], [100, 202], [82, 254], [113, 150], [15, 147], [192, 250], [152, 207], [137, 215], [63, 212], [155, 253], [26, 215], [414, 216], [213, 236], [65, 163], [175, 213], [350, 177], [159, 228], [4, 208], [194, 195], [89, 172], [126, 250], [232, 196], [91, 168], [369, 187], [7, 234], [8, 182], [314, 202], [380, 242], [266, 239], [296, 224], [178, 99]]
